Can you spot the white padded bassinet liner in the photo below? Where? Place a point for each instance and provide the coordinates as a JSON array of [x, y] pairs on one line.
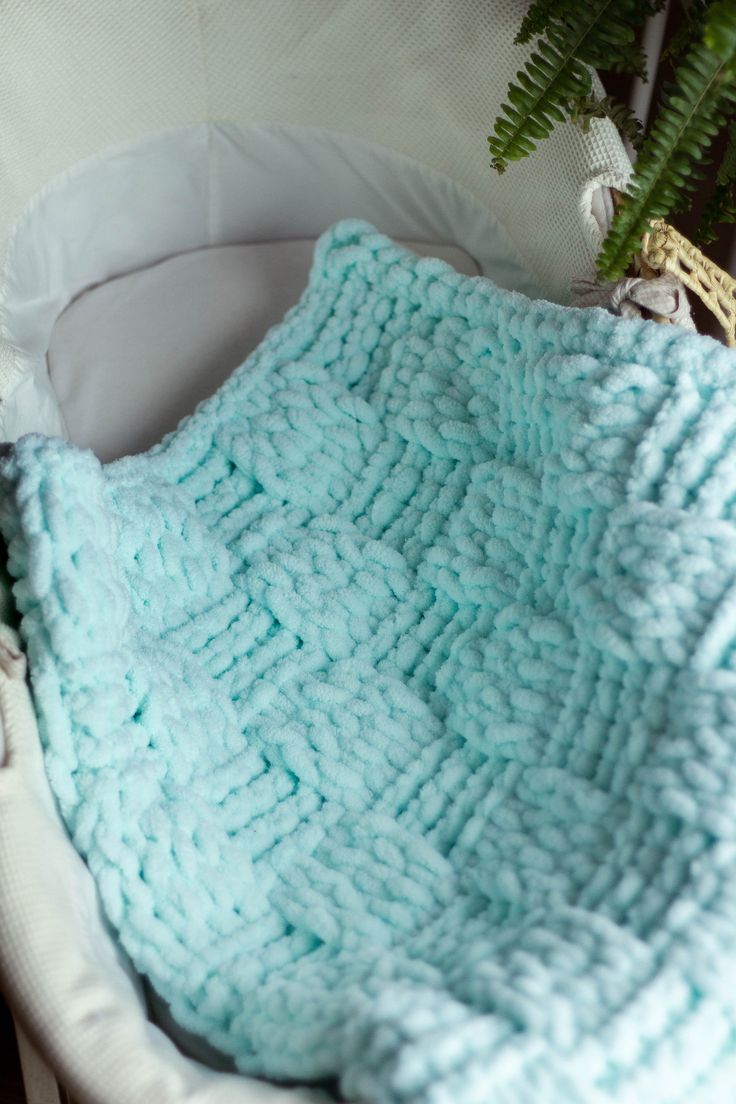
[[129, 359], [158, 341]]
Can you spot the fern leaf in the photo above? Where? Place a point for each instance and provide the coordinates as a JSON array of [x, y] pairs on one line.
[[612, 43], [582, 113], [538, 101], [690, 29], [720, 209], [721, 206], [693, 113], [537, 19], [727, 170], [719, 32], [598, 33]]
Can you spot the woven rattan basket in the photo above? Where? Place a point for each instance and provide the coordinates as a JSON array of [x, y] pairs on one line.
[[664, 249]]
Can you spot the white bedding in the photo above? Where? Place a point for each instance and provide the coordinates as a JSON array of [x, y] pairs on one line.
[[129, 237], [129, 358]]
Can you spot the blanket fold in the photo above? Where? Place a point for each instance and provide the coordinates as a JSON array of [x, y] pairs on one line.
[[391, 699]]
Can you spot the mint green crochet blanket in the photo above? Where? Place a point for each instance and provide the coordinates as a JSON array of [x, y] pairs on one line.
[[391, 700]]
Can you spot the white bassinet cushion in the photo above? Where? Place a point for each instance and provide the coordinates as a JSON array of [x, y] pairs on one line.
[[389, 700], [130, 358], [170, 254]]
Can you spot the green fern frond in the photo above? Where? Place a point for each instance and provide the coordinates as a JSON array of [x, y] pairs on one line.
[[721, 206], [599, 33], [719, 30], [582, 113], [689, 31], [538, 101], [537, 19], [611, 42], [720, 209], [695, 109], [727, 171]]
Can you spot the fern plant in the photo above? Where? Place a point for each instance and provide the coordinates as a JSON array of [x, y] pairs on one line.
[[556, 85], [721, 207]]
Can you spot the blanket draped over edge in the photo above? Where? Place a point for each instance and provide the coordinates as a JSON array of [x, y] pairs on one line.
[[391, 700]]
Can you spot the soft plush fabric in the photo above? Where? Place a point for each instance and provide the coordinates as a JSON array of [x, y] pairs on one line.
[[392, 699]]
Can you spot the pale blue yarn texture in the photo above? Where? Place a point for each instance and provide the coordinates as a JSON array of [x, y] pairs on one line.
[[391, 700]]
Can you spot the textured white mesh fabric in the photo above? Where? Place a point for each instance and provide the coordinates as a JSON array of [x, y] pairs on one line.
[[425, 77], [7, 368]]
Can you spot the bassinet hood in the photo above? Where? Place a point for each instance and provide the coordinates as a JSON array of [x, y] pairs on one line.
[[390, 699]]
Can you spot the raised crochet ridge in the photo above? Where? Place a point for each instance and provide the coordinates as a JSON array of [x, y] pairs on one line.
[[391, 700]]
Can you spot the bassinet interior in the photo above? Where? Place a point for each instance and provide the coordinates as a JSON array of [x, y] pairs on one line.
[[151, 237], [138, 281]]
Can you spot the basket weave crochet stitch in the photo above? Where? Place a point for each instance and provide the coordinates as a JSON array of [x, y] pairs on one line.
[[391, 700]]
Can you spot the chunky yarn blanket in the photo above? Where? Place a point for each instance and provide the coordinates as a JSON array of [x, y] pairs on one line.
[[391, 700]]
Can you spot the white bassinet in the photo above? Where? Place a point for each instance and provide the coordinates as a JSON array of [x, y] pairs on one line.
[[165, 166]]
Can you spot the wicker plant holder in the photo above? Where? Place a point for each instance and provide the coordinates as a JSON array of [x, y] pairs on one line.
[[664, 249]]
